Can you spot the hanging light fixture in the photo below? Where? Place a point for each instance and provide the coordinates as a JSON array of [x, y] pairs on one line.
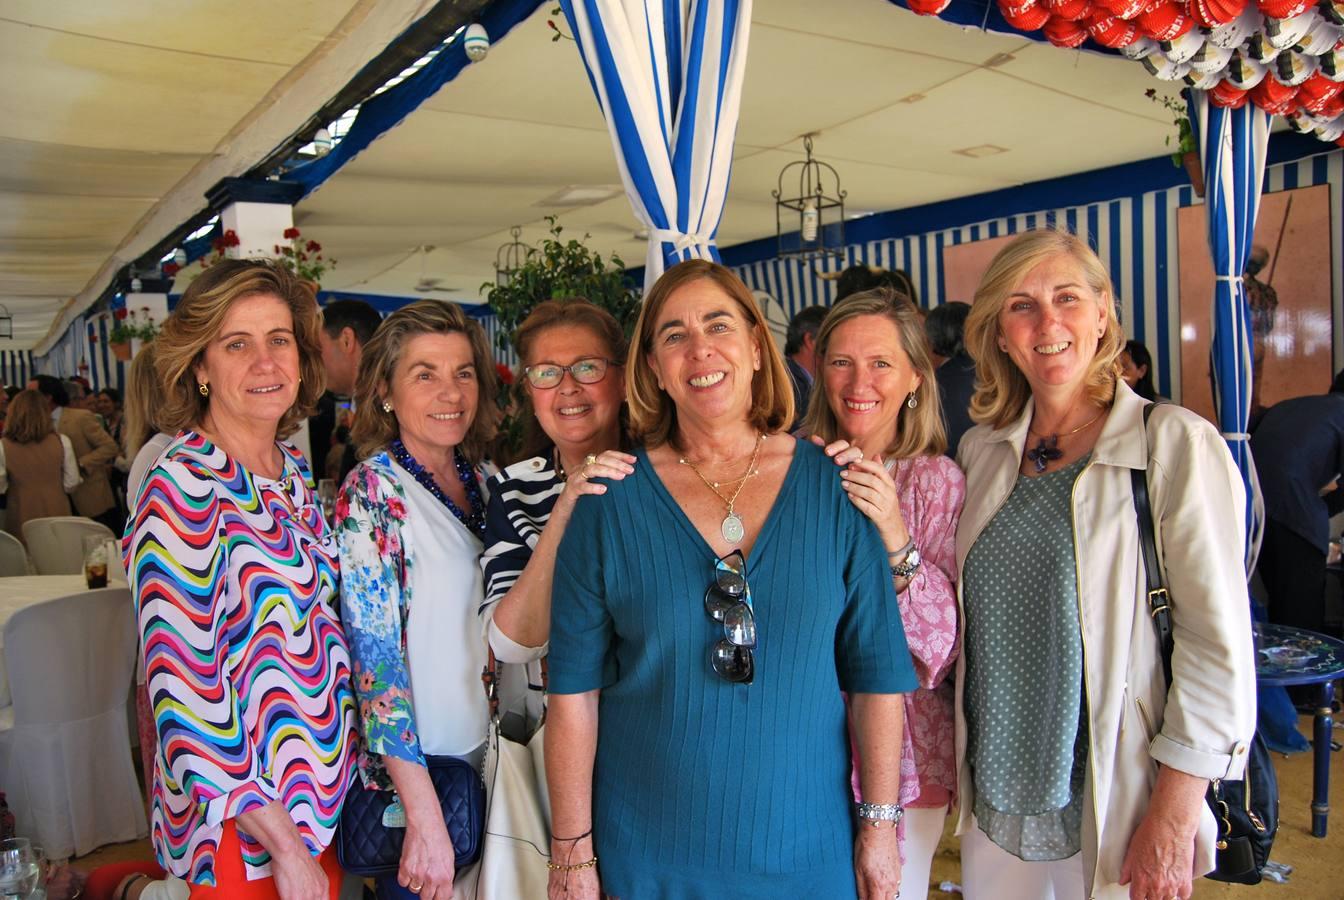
[[509, 258], [6, 322], [815, 213]]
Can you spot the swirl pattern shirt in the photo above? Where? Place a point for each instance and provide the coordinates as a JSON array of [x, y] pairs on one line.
[[234, 578]]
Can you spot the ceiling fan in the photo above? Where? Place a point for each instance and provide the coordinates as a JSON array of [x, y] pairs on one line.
[[430, 285]]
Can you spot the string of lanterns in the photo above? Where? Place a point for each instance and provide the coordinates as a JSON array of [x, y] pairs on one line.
[[1285, 56]]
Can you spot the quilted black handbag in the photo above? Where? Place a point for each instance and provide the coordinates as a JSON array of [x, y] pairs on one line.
[[1246, 811], [368, 848]]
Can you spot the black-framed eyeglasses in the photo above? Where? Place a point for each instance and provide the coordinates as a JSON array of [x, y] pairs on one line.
[[728, 601], [589, 370]]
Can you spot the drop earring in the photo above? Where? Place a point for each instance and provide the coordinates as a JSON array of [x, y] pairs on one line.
[[911, 401]]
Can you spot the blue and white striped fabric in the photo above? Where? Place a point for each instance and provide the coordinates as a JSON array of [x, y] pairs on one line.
[[668, 76], [1233, 145]]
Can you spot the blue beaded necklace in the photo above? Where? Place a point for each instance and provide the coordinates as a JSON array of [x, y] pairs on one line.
[[476, 521]]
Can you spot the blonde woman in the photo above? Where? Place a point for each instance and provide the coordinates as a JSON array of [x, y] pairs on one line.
[[876, 392], [1081, 774]]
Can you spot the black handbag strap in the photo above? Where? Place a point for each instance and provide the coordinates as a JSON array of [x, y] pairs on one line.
[[1159, 601]]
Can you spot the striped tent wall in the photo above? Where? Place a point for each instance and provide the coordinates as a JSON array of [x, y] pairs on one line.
[[16, 367], [1135, 236], [85, 342]]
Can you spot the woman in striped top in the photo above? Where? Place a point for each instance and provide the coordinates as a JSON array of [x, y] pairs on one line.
[[234, 575], [572, 353]]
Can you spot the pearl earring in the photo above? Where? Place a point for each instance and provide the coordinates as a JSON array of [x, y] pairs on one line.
[[387, 407]]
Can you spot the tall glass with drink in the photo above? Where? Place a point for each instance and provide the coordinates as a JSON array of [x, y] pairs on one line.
[[95, 562]]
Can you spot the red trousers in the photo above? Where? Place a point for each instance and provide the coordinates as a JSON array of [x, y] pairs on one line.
[[231, 877]]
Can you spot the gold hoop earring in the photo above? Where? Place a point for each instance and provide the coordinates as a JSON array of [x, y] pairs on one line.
[[203, 389]]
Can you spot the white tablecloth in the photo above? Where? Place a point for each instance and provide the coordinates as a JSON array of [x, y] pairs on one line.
[[22, 591]]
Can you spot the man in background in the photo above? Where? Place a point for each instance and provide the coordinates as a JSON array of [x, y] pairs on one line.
[[800, 356], [1298, 447], [347, 326], [94, 451], [945, 326]]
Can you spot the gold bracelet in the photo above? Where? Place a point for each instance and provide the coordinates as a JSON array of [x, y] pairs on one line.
[[560, 867]]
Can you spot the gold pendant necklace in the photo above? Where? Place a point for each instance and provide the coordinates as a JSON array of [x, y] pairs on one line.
[[731, 527]]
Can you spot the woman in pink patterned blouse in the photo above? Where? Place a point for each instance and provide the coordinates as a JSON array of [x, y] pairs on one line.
[[878, 405]]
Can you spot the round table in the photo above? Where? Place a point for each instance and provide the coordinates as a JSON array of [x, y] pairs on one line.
[[1291, 656]]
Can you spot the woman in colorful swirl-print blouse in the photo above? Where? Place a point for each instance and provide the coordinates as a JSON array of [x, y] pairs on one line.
[[234, 573]]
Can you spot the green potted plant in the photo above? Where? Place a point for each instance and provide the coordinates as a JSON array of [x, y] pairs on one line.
[[128, 327], [1187, 148], [558, 269]]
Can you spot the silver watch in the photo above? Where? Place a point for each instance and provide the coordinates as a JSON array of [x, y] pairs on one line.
[[880, 812], [907, 566]]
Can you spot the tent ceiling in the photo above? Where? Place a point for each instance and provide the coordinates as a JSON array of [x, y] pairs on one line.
[[115, 118], [485, 152], [114, 121]]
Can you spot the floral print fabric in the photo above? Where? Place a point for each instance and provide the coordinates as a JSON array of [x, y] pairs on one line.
[[376, 565]]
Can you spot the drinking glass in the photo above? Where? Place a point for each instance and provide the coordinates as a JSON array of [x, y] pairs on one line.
[[95, 561], [18, 868], [326, 495]]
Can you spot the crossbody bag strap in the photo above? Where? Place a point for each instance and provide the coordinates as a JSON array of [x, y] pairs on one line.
[[1159, 601]]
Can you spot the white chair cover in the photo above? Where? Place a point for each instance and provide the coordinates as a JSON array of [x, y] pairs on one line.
[[65, 760], [13, 558], [56, 543]]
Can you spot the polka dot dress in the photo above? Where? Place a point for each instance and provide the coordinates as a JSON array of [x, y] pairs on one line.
[[1026, 713]]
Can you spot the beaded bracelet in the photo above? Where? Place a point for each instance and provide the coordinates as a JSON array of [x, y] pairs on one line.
[[561, 867]]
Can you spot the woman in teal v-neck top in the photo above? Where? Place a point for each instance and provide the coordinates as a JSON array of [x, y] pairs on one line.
[[702, 787]]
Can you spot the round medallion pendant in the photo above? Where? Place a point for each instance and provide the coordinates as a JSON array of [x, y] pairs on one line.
[[732, 528]]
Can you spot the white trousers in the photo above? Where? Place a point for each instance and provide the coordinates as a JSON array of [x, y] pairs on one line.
[[988, 872], [923, 831]]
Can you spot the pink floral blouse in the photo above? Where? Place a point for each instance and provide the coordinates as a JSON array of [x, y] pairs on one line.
[[932, 490]]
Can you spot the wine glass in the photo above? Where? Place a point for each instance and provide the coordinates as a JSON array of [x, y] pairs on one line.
[[18, 868]]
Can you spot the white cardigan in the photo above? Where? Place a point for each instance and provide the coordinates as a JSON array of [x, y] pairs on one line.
[[1204, 725]]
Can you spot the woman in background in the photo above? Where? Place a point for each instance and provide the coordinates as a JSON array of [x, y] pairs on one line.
[[37, 465]]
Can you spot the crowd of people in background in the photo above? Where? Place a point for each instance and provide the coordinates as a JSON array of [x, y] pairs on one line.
[[731, 578]]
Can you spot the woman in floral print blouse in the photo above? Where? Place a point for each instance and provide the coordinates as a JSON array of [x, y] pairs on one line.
[[878, 394], [409, 521]]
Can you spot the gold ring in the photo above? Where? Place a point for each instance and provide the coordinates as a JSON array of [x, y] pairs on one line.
[[590, 459], [415, 888], [583, 473]]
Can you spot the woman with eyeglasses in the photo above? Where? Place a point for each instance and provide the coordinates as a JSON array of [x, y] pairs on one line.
[[706, 613], [573, 356], [877, 392]]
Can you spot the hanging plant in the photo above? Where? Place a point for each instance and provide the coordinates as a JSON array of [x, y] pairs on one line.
[[558, 269]]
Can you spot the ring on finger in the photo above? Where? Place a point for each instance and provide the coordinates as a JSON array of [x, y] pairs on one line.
[[590, 459], [415, 888]]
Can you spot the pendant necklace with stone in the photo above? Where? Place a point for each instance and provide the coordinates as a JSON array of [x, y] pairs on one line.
[[731, 527], [1047, 449]]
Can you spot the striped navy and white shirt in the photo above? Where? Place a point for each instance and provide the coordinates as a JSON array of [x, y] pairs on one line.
[[521, 499]]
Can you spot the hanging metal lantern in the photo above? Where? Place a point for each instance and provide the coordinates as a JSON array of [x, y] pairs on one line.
[[811, 222], [509, 258], [6, 323]]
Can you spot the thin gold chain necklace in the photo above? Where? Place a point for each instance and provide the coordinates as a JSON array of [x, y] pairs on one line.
[[731, 527]]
